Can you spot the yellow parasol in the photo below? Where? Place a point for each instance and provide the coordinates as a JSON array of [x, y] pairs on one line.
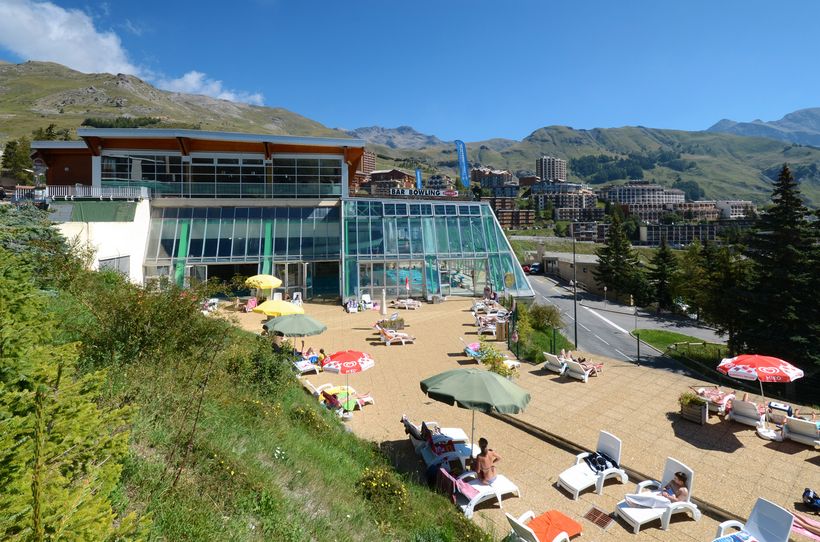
[[263, 282], [278, 308]]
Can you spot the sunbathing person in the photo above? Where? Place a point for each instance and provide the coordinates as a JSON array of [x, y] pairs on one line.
[[804, 522], [485, 463], [676, 489]]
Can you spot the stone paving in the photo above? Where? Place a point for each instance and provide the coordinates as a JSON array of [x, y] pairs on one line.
[[732, 465]]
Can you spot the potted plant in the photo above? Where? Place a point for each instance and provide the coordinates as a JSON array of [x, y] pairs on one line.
[[693, 407], [494, 360], [395, 324]]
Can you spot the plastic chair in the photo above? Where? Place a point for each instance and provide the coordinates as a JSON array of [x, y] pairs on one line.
[[767, 523]]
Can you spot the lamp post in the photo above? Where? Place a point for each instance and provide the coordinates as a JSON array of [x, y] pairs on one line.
[[604, 296], [575, 292], [637, 335]]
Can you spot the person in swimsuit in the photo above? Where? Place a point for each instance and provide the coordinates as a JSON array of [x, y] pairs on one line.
[[676, 490], [485, 462]]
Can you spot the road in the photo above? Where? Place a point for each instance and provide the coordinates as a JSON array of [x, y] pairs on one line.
[[603, 329]]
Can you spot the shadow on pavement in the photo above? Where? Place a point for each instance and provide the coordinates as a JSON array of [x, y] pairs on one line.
[[719, 437]]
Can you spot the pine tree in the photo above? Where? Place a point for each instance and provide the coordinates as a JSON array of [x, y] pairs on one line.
[[725, 292], [688, 279], [781, 249], [17, 159], [664, 265], [60, 453], [618, 268]]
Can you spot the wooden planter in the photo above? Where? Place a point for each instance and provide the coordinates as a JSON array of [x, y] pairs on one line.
[[695, 412]]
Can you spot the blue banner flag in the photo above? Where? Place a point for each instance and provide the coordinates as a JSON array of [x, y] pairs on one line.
[[461, 149], [418, 179]]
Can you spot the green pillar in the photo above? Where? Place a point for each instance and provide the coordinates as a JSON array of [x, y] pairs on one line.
[[267, 249], [182, 253]]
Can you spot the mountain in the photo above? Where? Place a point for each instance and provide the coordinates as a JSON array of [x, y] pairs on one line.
[[34, 94], [802, 127], [726, 166], [403, 137]]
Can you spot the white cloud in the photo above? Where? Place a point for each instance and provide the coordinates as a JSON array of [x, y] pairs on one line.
[[195, 82], [44, 31]]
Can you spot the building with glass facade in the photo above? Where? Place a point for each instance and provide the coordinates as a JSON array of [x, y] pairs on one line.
[[224, 204]]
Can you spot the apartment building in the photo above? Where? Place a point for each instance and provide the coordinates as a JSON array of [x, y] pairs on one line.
[[549, 168], [732, 209], [641, 193]]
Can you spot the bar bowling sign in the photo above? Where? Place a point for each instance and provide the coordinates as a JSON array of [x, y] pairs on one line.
[[423, 192]]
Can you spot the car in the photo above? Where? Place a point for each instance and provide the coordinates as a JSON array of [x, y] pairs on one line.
[[535, 269], [526, 269]]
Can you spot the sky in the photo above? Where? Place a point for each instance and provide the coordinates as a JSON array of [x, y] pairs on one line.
[[457, 69]]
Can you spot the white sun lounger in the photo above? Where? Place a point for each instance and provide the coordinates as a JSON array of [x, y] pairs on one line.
[[581, 476], [470, 492], [746, 412], [554, 363], [767, 523], [802, 431], [637, 516]]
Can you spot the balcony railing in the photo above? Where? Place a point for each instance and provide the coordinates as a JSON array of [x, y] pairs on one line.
[[68, 192], [234, 190]]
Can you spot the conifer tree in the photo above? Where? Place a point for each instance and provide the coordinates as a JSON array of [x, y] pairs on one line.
[[779, 312], [618, 268], [60, 453], [661, 276], [689, 278]]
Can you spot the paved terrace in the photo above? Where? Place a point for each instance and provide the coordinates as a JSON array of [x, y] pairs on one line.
[[732, 465]]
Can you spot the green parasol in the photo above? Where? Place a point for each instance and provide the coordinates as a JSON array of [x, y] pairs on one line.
[[476, 389], [295, 325]]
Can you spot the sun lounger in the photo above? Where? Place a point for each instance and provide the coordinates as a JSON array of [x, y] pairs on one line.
[[389, 337], [778, 412], [582, 475], [637, 516], [469, 492], [551, 526], [470, 351], [419, 437], [367, 302], [767, 523], [409, 304], [250, 304], [346, 394], [487, 327], [717, 399], [554, 363], [305, 366], [576, 370], [802, 431], [746, 412]]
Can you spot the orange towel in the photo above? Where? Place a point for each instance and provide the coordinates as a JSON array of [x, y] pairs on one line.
[[550, 523]]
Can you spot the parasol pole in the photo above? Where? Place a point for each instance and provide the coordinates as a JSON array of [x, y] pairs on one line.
[[765, 407], [472, 437]]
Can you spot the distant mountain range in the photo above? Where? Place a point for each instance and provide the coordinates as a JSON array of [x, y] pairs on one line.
[[802, 127], [403, 137], [725, 165]]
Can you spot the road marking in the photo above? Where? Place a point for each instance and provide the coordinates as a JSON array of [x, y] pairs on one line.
[[608, 321], [624, 355], [600, 339], [583, 326]]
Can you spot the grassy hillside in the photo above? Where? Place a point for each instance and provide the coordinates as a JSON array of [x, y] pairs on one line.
[[727, 166], [34, 94]]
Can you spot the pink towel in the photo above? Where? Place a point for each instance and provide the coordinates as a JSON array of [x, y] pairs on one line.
[[800, 530]]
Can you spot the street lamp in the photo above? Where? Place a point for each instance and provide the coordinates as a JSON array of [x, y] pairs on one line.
[[575, 292], [637, 335], [604, 296]]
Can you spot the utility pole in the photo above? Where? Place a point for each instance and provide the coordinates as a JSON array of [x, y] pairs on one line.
[[575, 291]]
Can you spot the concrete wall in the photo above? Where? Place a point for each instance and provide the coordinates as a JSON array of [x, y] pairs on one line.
[[115, 239]]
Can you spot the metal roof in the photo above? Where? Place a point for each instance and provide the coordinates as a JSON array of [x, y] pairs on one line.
[[159, 133], [58, 145]]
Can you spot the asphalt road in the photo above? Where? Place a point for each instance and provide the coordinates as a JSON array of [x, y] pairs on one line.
[[603, 329]]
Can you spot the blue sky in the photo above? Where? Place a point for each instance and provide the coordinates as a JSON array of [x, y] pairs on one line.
[[468, 69]]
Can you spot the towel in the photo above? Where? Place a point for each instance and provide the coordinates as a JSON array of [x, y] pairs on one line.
[[647, 500], [550, 523], [740, 536]]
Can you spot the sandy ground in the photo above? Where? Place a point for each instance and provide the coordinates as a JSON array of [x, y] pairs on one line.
[[733, 466]]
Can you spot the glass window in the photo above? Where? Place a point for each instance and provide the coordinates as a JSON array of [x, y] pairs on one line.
[[467, 244], [451, 210], [376, 237], [254, 237], [401, 209], [167, 239], [453, 234], [442, 246], [225, 238], [153, 239], [426, 209], [211, 238], [479, 243], [240, 236], [351, 239], [389, 209], [415, 209], [197, 239], [378, 275], [440, 210], [416, 243], [376, 208], [391, 241], [403, 235], [364, 237]]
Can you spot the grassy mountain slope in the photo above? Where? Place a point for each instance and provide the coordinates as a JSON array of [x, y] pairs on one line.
[[727, 166], [34, 94]]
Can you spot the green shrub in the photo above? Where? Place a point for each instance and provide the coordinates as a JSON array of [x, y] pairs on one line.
[[381, 486], [494, 360], [309, 418], [544, 317]]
